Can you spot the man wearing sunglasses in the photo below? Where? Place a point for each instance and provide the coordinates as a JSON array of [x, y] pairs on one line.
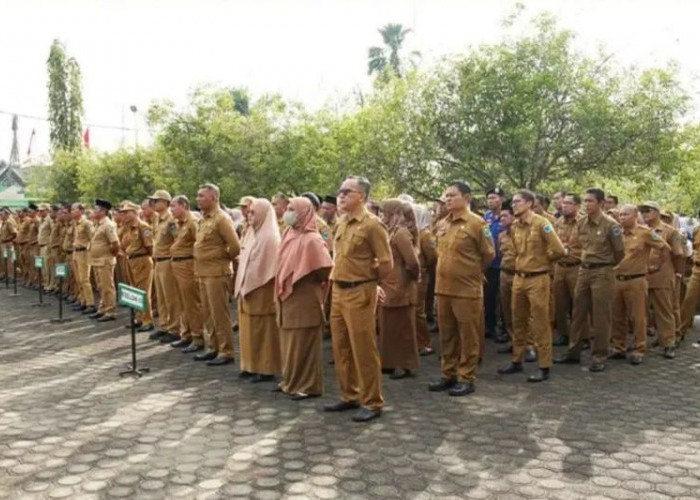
[[361, 257]]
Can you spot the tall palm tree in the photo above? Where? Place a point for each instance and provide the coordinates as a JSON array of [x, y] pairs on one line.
[[393, 36]]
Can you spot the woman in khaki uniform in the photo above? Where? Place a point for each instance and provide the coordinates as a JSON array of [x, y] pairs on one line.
[[427, 257], [398, 346], [255, 291], [304, 265]]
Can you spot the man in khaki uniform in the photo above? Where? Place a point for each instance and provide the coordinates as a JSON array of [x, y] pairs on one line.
[[507, 251], [46, 221], [137, 247], [170, 308], [329, 208], [82, 235], [8, 233], [536, 246], [280, 203], [666, 267], [55, 240], [182, 262], [362, 256], [465, 249], [71, 290], [104, 248], [566, 269], [323, 228], [601, 250], [21, 245], [629, 302], [32, 246], [215, 251], [692, 293]]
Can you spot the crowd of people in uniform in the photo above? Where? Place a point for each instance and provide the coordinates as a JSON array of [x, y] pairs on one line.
[[381, 276]]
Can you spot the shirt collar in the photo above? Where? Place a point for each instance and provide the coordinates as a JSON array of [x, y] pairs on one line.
[[463, 215]]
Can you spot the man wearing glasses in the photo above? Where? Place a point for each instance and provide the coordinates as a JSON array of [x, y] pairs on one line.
[[361, 257]]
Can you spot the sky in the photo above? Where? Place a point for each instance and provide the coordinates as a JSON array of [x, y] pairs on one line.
[[313, 51]]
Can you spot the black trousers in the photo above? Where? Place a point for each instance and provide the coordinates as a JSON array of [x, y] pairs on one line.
[[492, 309]]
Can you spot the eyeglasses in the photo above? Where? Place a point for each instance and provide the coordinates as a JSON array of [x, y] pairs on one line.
[[345, 192]]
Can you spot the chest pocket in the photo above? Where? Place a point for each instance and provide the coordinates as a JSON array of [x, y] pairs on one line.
[[463, 241]]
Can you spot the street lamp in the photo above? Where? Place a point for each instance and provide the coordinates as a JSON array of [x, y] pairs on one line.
[[134, 110]]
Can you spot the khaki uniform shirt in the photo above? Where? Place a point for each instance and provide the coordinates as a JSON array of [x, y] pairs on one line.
[[8, 231], [164, 235], [22, 232], [58, 231], [68, 237], [428, 252], [82, 234], [282, 226], [505, 245], [137, 238], [567, 230], [465, 248], [400, 286], [661, 273], [185, 236], [536, 244], [45, 228], [324, 231], [696, 245], [639, 242], [216, 246], [101, 244], [361, 243], [600, 238], [33, 232]]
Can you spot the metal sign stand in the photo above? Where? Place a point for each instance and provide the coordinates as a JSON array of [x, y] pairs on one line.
[[134, 299], [39, 265], [13, 256], [61, 271]]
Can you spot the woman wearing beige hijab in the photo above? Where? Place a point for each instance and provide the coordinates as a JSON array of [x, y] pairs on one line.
[[255, 290], [397, 333], [303, 266]]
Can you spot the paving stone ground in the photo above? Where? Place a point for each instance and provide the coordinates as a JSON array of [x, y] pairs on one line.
[[71, 428]]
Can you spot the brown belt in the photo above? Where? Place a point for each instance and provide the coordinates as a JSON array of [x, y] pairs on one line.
[[180, 259], [511, 272], [137, 256], [627, 277], [523, 274], [161, 259], [569, 264], [81, 249], [595, 265], [345, 285]]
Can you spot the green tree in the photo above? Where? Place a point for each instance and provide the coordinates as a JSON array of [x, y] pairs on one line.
[[389, 57], [65, 99]]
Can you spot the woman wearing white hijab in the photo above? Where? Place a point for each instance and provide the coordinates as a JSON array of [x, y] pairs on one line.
[[255, 290]]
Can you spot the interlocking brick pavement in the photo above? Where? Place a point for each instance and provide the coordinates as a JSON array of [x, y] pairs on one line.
[[71, 428]]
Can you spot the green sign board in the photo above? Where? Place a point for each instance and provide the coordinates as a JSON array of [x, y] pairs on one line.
[[129, 296], [38, 262], [5, 253], [13, 255], [61, 270]]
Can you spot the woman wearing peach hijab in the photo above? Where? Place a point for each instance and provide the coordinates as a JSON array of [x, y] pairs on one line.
[[255, 290], [397, 320], [303, 266]]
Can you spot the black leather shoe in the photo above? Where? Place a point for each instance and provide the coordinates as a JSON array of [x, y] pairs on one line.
[[145, 328], [540, 375], [235, 327], [180, 344], [635, 359], [585, 345], [245, 375], [561, 340], [219, 360], [617, 355], [502, 338], [510, 368], [341, 406], [205, 356], [596, 367], [90, 310], [79, 308], [567, 359], [442, 385], [169, 338], [157, 335], [365, 415], [193, 348], [669, 352], [95, 316], [399, 374], [426, 351], [300, 396], [462, 389], [257, 378], [506, 349], [530, 356], [137, 325], [105, 318]]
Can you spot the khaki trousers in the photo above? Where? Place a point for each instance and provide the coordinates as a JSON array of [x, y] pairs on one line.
[[461, 328], [531, 301], [564, 289], [661, 301], [104, 275], [690, 302], [188, 291], [82, 279], [593, 297], [630, 306], [169, 307], [45, 252], [354, 334], [141, 273], [215, 294]]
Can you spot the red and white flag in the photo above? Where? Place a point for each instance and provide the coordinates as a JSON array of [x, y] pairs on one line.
[[86, 138]]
